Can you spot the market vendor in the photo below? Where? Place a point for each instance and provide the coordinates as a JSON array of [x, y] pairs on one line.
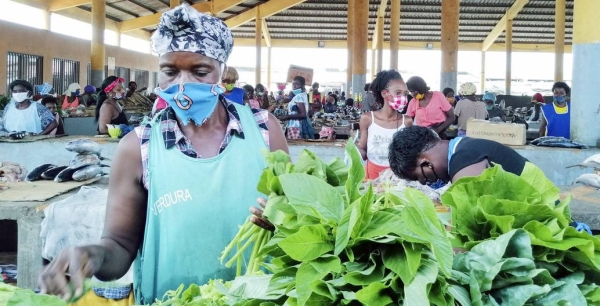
[[377, 127], [556, 120], [298, 124], [418, 154], [23, 114], [262, 96], [429, 108], [489, 98], [51, 103], [89, 95], [232, 93], [108, 110], [171, 200], [330, 106], [70, 98]]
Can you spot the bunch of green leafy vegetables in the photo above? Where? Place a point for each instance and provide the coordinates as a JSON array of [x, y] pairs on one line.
[[496, 202], [336, 245], [503, 272]]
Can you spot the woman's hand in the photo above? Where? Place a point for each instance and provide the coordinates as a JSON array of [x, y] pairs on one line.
[[257, 217], [283, 118]]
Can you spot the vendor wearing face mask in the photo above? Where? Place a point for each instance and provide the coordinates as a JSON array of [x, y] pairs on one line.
[[71, 96], [490, 105], [172, 205], [232, 93], [429, 108], [377, 127], [23, 114], [262, 96], [556, 120], [298, 125], [108, 110]]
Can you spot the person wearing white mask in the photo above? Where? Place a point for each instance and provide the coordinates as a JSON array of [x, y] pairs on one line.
[[23, 114], [298, 126]]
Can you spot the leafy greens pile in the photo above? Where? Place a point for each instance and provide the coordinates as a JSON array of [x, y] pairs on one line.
[[497, 202]]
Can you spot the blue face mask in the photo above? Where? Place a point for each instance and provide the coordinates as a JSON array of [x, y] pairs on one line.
[[437, 184], [192, 101], [296, 91], [560, 99], [75, 93]]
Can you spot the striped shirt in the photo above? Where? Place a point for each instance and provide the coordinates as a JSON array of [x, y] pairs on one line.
[[174, 137]]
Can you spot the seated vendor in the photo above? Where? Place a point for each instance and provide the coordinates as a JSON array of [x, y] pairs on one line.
[[418, 154], [330, 104], [109, 111], [134, 97], [51, 104], [70, 98], [23, 114], [229, 80], [493, 110], [556, 120]]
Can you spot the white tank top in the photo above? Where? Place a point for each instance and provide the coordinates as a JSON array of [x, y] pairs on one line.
[[17, 120], [378, 142]]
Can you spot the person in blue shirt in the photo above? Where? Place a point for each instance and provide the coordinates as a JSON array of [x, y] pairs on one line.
[[556, 120], [232, 93]]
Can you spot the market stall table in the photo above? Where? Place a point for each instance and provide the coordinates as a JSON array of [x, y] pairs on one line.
[[26, 208]]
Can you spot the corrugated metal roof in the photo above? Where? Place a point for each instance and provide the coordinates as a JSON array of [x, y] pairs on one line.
[[420, 19]]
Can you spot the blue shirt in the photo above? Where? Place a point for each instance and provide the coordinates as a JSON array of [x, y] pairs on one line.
[[236, 95]]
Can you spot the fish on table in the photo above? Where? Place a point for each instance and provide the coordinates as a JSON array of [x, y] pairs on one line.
[[36, 173], [83, 146], [65, 175], [51, 173], [87, 172], [82, 160]]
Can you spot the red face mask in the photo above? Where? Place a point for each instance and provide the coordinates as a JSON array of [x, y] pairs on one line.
[[399, 103]]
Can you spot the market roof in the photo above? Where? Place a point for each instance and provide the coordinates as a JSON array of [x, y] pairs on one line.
[[326, 20]]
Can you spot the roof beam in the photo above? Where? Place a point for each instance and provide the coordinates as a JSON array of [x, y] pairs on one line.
[[57, 5], [150, 20], [266, 33], [382, 8], [219, 6], [380, 13], [263, 11], [512, 12]]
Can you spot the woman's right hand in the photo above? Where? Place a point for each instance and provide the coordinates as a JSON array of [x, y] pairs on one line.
[[65, 275]]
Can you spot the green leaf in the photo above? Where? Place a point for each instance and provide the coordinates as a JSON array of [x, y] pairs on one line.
[[192, 291], [309, 243], [305, 276], [356, 174], [313, 197], [417, 290], [356, 217], [373, 295], [327, 264], [340, 169], [27, 297], [322, 288], [420, 217], [460, 294], [277, 209], [565, 294], [404, 263]]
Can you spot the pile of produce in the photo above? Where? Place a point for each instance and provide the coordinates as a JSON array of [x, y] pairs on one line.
[[82, 167], [336, 244]]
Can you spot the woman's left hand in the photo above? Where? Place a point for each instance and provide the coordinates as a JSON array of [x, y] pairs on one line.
[[257, 217]]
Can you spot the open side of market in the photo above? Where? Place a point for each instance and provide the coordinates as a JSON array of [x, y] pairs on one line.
[[163, 177]]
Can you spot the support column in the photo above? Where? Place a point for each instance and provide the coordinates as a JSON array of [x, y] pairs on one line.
[[258, 34], [268, 85], [482, 81], [380, 27], [361, 40], [586, 51], [350, 43], [98, 58], [559, 39], [47, 23], [174, 3], [373, 71], [450, 18], [394, 34], [119, 36], [508, 36]]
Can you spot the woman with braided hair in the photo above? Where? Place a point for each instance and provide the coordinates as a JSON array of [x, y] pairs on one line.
[[377, 127]]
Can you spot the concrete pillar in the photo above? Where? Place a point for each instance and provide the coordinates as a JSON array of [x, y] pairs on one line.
[[380, 27], [350, 43], [47, 20], [394, 34], [482, 81], [559, 39], [508, 36], [373, 66], [258, 36], [98, 58], [450, 19], [119, 37], [174, 3], [585, 122], [268, 85], [361, 40]]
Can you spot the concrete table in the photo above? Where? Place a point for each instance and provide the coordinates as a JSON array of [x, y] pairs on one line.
[[29, 216], [585, 204]]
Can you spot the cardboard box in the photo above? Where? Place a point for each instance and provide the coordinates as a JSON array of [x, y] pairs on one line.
[[511, 134], [306, 73]]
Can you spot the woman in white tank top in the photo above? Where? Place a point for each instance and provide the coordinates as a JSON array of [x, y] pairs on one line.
[[377, 128]]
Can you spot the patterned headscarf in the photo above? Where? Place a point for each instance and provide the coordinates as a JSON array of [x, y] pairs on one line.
[[467, 89], [185, 29]]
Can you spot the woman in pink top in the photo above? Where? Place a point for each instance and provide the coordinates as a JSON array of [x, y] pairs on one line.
[[429, 108]]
